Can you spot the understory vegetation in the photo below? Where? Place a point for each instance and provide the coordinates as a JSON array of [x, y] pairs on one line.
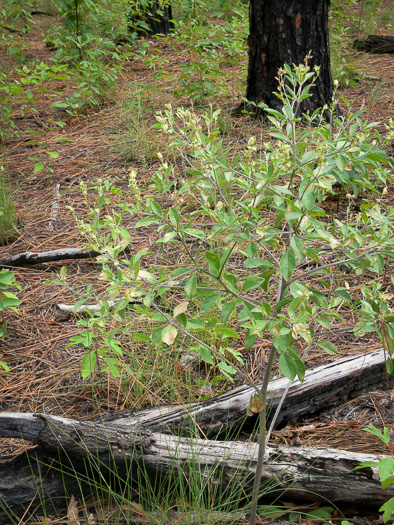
[[233, 248]]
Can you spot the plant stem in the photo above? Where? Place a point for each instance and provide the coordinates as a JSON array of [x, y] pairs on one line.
[[359, 20], [262, 437]]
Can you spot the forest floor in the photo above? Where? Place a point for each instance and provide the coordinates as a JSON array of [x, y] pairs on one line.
[[105, 143]]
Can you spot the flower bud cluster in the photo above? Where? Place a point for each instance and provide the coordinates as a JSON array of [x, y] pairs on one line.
[[390, 128], [321, 154], [281, 156], [133, 185], [84, 189]]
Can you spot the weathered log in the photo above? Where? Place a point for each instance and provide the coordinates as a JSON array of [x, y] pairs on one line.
[[29, 258], [303, 474], [322, 388], [375, 44]]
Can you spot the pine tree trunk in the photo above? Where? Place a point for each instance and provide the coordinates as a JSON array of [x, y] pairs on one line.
[[156, 20], [284, 33]]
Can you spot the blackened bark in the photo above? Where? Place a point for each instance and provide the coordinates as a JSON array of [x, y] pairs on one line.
[[157, 19], [375, 44], [284, 33]]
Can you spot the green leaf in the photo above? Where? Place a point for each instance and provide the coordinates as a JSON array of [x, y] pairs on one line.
[[367, 464], [213, 262], [387, 483], [321, 512], [344, 294], [251, 282], [227, 369], [88, 338], [386, 468], [78, 304], [287, 366], [231, 281], [324, 320], [39, 166], [9, 302], [59, 104], [257, 263], [307, 157], [227, 332], [250, 340], [298, 247], [146, 222], [385, 436], [287, 265], [281, 342], [6, 278], [341, 162], [88, 364], [227, 310], [328, 347], [195, 324], [191, 286], [387, 509], [113, 366], [195, 233], [53, 154], [63, 139], [209, 302], [319, 298], [205, 355], [5, 366], [3, 330]]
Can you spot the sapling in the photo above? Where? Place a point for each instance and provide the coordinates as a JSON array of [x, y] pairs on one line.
[[266, 210], [8, 300]]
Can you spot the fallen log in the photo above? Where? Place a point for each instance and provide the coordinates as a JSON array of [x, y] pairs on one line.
[[66, 445], [375, 44], [323, 388], [29, 258]]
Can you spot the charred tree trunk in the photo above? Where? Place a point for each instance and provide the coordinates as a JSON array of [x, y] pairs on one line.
[[284, 33], [155, 19]]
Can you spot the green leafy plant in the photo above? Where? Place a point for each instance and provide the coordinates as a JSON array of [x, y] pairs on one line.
[[88, 30], [368, 16], [7, 300], [200, 76], [87, 43], [105, 235], [294, 177], [8, 217], [77, 15], [41, 77], [13, 13], [268, 216], [386, 469], [95, 80], [9, 90]]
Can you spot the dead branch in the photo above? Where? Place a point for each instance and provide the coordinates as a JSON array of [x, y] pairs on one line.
[[29, 258], [304, 474], [323, 388]]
